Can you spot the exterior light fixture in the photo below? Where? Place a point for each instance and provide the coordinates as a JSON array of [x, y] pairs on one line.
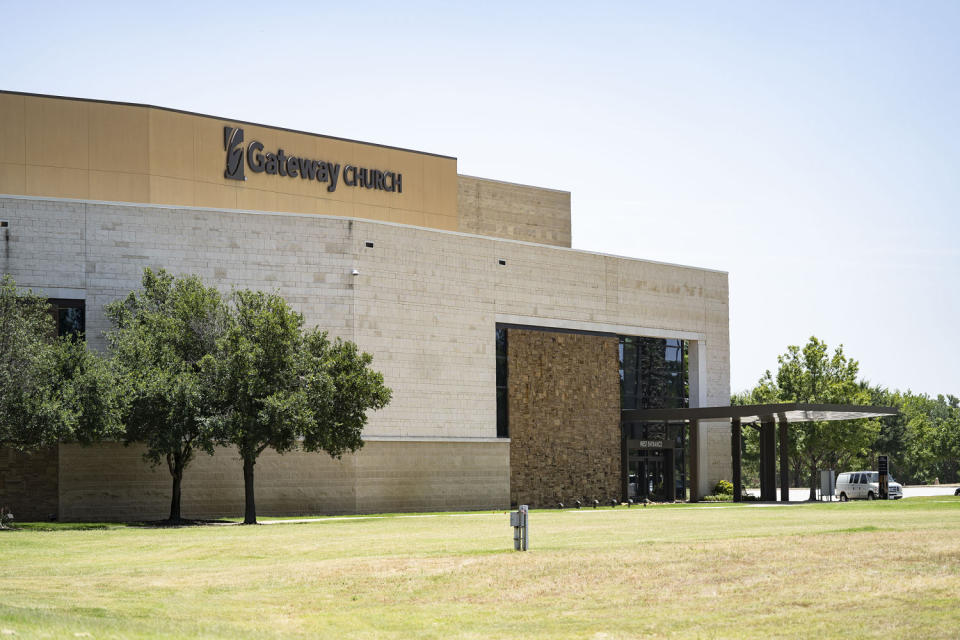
[[356, 272]]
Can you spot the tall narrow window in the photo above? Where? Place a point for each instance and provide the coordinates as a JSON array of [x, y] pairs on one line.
[[503, 424]]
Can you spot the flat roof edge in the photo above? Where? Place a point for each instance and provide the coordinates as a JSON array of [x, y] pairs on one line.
[[213, 117]]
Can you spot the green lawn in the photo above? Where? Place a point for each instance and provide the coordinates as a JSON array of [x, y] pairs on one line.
[[869, 569]]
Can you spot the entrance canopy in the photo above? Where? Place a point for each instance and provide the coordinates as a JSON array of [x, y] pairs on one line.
[[768, 415]]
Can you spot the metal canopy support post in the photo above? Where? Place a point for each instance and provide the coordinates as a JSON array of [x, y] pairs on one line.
[[669, 468], [624, 466], [768, 460], [694, 460], [784, 459], [736, 436]]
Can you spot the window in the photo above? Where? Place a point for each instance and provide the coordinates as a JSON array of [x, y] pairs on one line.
[[653, 373], [69, 316], [503, 418]]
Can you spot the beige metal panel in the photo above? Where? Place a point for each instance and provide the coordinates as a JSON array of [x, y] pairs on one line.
[[257, 200], [338, 152], [215, 195], [13, 178], [13, 132], [119, 138], [209, 156], [172, 190], [298, 203], [119, 186], [57, 182], [438, 221], [172, 145], [293, 144], [413, 181], [166, 149], [335, 208], [371, 213], [57, 133], [439, 193]]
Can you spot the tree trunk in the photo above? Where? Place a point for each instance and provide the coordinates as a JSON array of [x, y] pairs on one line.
[[813, 482], [250, 508], [175, 496], [175, 463]]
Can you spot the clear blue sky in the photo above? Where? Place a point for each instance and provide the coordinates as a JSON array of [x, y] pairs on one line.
[[810, 149]]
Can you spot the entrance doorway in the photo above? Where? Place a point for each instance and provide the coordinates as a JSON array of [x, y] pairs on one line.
[[650, 475], [653, 462]]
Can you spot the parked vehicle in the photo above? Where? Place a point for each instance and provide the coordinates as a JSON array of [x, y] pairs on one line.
[[853, 485]]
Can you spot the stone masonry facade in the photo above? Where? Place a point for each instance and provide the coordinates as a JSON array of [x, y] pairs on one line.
[[424, 302], [564, 417], [28, 483], [519, 212]]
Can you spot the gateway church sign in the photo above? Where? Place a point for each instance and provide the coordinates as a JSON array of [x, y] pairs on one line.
[[280, 163]]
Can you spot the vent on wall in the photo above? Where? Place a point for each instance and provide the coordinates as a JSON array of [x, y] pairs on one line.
[[502, 262], [369, 244]]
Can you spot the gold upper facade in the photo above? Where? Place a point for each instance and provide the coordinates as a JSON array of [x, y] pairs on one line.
[[91, 150]]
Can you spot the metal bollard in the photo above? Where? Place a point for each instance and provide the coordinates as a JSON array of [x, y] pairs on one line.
[[521, 533]]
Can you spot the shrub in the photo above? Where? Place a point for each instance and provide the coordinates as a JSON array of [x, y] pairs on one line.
[[723, 488], [717, 498]]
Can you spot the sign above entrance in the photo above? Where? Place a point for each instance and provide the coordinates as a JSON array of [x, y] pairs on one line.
[[649, 444], [289, 166]]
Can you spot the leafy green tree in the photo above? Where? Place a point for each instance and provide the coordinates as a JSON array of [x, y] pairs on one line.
[[51, 389], [932, 436], [282, 387], [163, 339], [813, 375]]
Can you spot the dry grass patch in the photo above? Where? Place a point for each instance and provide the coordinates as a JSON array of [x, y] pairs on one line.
[[853, 570]]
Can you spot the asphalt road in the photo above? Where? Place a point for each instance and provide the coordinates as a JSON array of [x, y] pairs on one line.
[[800, 495]]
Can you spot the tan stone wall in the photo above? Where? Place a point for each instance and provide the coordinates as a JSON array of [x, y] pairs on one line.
[[112, 482], [28, 483], [73, 148], [564, 415], [424, 303], [514, 211]]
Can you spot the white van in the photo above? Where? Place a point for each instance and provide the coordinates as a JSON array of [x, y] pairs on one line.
[[865, 484]]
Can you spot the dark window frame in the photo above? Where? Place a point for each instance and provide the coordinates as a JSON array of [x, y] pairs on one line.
[[59, 305]]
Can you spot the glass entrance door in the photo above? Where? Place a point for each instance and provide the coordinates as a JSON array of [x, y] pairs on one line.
[[648, 476], [652, 459]]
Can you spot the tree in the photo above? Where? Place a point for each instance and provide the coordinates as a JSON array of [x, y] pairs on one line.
[[932, 436], [51, 389], [812, 375], [163, 338], [282, 387]]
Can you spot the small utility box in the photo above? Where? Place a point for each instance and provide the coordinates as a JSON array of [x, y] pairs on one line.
[[828, 484], [521, 533]]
